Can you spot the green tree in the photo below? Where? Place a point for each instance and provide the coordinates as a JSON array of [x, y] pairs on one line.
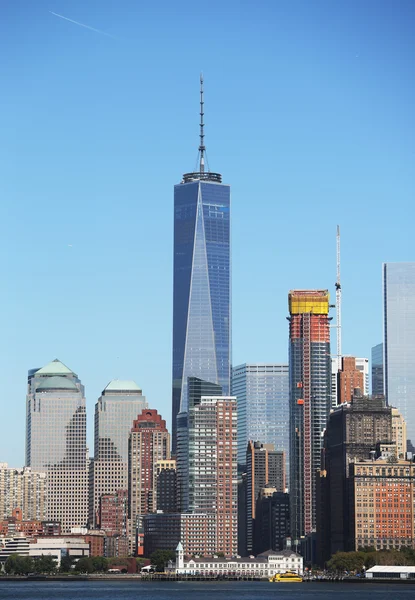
[[100, 564], [18, 565], [45, 564], [84, 565], [67, 562], [160, 558]]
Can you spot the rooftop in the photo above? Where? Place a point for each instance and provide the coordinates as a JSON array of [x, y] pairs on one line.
[[55, 367], [57, 383], [120, 385]]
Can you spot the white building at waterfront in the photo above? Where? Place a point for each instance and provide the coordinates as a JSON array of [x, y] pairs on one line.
[[264, 565]]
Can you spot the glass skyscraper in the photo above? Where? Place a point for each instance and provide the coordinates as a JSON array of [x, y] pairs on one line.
[[56, 441], [399, 340], [262, 391], [201, 296], [120, 403], [377, 371]]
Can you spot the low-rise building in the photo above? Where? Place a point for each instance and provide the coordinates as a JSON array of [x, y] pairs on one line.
[[264, 565], [57, 547]]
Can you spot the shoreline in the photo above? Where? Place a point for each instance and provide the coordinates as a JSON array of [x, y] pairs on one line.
[[191, 579]]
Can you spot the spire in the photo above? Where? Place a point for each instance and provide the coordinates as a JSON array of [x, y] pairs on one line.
[[202, 133], [202, 174]]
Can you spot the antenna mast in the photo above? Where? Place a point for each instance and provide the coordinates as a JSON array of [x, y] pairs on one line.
[[202, 133], [338, 301]]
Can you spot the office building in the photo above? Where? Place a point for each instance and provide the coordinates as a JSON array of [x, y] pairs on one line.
[[310, 400], [166, 485], [382, 501], [262, 392], [377, 371], [25, 490], [163, 531], [115, 411], [399, 341], [272, 521], [196, 388], [354, 374], [113, 513], [149, 442], [349, 378], [353, 431], [399, 435], [213, 467], [201, 297], [56, 441], [264, 467]]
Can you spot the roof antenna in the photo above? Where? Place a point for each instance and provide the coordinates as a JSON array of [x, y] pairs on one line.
[[202, 147]]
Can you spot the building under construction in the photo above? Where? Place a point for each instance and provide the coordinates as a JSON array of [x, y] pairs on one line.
[[310, 398]]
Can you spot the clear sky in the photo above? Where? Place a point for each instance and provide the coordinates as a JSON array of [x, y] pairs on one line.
[[309, 117]]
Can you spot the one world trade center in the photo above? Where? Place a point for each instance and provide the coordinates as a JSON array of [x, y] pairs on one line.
[[202, 291]]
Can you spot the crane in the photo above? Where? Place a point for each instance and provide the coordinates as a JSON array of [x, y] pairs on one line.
[[338, 301]]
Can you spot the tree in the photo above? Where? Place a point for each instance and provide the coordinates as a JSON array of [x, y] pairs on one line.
[[84, 565], [66, 563], [160, 558], [44, 564], [100, 564], [18, 565]]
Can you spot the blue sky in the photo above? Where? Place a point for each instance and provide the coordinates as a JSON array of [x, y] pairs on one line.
[[309, 117]]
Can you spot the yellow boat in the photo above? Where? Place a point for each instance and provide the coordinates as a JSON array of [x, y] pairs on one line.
[[288, 577]]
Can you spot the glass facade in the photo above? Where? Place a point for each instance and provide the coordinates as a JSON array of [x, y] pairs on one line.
[[377, 371], [262, 391], [399, 340], [201, 297], [56, 441], [121, 402]]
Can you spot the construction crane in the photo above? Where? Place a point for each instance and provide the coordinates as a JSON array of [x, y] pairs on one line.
[[338, 301]]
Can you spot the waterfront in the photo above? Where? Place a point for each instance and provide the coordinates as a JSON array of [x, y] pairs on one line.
[[129, 590]]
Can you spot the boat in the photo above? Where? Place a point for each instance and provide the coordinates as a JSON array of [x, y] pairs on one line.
[[288, 577]]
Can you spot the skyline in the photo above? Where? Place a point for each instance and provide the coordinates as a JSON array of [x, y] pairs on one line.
[[89, 188]]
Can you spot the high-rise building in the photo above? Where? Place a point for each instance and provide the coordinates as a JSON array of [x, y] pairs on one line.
[[149, 442], [115, 411], [213, 467], [196, 388], [399, 435], [349, 378], [353, 431], [362, 365], [353, 375], [310, 400], [22, 489], [264, 467], [377, 371], [166, 485], [113, 513], [56, 441], [382, 499], [399, 340], [201, 298], [262, 392], [272, 522]]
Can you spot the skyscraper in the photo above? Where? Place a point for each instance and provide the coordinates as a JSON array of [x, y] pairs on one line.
[[264, 466], [213, 468], [201, 296], [22, 489], [399, 340], [310, 400], [115, 411], [262, 392], [56, 441], [377, 371], [352, 432], [149, 442]]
